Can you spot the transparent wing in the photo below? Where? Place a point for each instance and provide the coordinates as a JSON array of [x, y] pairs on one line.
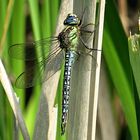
[[86, 58], [27, 51], [85, 53], [86, 28], [34, 73], [41, 71], [87, 32]]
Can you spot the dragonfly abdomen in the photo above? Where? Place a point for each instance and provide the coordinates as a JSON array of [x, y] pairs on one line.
[[70, 57]]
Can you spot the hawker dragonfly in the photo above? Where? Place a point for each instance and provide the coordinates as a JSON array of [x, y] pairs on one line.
[[64, 47]]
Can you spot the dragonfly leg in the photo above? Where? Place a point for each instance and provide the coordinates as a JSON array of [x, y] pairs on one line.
[[83, 53], [87, 29], [84, 26], [92, 49]]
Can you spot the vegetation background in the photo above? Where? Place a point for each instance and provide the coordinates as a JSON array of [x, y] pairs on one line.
[[22, 21]]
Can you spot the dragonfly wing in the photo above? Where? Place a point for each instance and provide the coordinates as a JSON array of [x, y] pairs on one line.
[[86, 59], [54, 65], [27, 51], [35, 73], [86, 55], [31, 76], [87, 32]]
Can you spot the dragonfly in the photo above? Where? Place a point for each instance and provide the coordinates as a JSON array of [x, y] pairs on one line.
[[64, 47]]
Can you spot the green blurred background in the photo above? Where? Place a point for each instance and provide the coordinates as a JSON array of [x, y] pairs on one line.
[[22, 21]]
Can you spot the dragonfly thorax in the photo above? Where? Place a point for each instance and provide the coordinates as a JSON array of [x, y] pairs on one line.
[[68, 38]]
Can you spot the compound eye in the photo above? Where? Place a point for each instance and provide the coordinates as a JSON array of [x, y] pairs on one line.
[[72, 20]]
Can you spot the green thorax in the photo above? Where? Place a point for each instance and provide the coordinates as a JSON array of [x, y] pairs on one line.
[[69, 38]]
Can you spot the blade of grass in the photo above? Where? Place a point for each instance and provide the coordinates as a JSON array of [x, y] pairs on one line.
[[6, 24], [6, 12], [116, 55], [35, 17], [17, 35], [97, 73], [134, 54], [2, 15], [121, 83], [3, 126], [13, 101], [45, 19], [125, 93], [35, 21], [107, 121], [3, 118], [80, 83], [54, 12], [32, 109], [8, 20]]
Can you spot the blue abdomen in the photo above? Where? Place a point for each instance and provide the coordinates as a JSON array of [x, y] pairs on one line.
[[70, 57]]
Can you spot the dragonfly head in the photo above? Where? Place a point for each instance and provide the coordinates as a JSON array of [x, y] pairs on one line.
[[72, 20]]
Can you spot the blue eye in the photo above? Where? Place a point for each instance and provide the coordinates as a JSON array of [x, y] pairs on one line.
[[72, 20]]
